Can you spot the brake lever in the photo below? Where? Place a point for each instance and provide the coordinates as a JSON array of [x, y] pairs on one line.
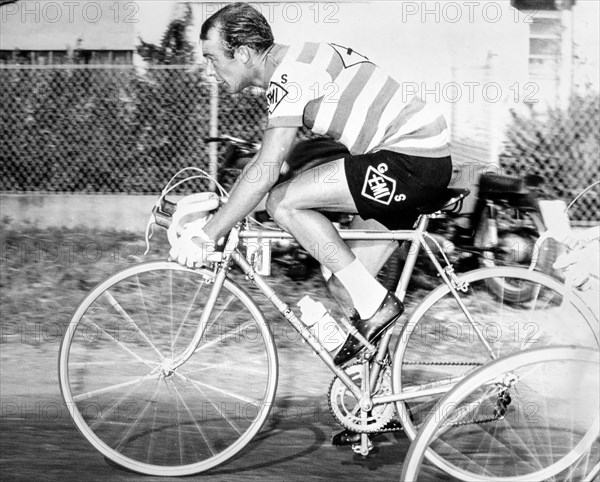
[[149, 232], [152, 220]]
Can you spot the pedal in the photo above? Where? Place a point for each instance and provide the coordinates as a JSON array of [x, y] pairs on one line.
[[364, 447]]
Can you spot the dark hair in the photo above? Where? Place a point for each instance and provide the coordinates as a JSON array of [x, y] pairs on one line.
[[240, 24]]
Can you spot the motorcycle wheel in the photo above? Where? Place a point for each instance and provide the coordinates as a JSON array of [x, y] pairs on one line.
[[517, 231]]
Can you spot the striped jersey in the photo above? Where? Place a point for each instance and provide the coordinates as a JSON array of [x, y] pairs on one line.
[[341, 94]]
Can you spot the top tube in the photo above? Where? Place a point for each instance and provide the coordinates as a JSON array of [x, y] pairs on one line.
[[346, 234]]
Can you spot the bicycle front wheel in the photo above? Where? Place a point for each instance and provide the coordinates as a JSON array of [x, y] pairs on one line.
[[440, 345], [507, 381], [117, 378]]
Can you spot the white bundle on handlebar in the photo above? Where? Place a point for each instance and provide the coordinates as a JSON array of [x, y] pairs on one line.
[[581, 260], [192, 213]]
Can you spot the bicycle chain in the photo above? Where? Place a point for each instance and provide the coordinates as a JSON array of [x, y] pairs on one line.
[[501, 405], [444, 363]]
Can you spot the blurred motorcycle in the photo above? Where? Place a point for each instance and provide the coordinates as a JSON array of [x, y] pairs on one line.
[[508, 218]]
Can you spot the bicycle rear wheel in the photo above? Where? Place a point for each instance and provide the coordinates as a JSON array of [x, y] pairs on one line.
[[438, 346], [116, 375], [526, 380]]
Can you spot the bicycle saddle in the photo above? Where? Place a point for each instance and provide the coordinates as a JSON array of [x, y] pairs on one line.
[[497, 183], [444, 200]]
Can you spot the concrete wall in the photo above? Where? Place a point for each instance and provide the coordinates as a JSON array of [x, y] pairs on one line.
[[121, 212]]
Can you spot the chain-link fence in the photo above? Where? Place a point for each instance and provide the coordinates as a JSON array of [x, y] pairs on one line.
[[116, 130], [110, 130], [563, 148]]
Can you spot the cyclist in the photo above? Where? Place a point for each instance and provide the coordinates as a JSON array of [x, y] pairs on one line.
[[398, 155]]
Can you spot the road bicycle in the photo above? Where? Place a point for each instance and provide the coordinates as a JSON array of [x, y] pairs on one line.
[[172, 371], [548, 369]]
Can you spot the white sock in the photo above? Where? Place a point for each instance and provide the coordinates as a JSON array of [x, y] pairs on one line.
[[366, 292]]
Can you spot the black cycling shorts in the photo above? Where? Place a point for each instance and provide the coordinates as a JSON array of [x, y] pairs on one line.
[[388, 186]]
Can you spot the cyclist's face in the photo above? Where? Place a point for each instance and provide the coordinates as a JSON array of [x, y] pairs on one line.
[[230, 72]]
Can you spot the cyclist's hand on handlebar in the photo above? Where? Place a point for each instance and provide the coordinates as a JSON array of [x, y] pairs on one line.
[[192, 248]]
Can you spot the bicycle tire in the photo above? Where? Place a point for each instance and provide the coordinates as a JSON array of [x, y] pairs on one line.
[[116, 376], [519, 247], [438, 346], [525, 368]]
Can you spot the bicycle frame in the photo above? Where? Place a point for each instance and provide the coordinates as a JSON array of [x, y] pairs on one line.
[[417, 238]]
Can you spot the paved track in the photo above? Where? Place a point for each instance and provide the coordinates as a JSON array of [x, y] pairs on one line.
[[39, 441]]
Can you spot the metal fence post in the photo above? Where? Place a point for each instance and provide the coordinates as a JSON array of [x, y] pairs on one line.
[[213, 147]]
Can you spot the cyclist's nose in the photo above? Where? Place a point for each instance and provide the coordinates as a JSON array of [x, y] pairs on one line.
[[210, 70]]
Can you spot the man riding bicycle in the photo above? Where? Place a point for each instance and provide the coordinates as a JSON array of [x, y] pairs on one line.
[[398, 157]]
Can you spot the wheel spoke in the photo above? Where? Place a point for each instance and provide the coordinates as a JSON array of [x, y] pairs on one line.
[[123, 346], [188, 311], [145, 309], [116, 305], [197, 384], [136, 422], [234, 331], [112, 388], [196, 424]]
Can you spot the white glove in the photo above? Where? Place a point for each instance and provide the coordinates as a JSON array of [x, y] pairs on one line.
[[192, 248]]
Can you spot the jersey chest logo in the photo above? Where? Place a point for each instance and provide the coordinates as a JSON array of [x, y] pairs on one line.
[[350, 57], [275, 94], [378, 187]]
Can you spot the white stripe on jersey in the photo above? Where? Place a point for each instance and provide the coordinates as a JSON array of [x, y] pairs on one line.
[[425, 116], [320, 62], [395, 105], [322, 58], [294, 51], [327, 108], [361, 106], [434, 142]]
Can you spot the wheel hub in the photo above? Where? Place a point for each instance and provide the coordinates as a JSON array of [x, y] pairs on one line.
[[166, 367]]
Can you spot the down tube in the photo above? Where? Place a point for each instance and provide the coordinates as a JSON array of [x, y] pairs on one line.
[[287, 312]]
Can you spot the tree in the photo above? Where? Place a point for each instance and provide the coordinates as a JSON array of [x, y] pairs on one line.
[[174, 48]]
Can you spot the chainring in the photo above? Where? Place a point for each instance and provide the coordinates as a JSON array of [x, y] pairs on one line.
[[345, 407]]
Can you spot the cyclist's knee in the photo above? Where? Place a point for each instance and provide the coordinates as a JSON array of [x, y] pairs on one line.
[[275, 202]]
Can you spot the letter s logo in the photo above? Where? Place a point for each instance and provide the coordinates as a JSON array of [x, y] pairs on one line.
[[284, 79]]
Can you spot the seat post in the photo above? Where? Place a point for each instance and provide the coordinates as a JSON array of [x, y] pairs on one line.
[[422, 223], [411, 258]]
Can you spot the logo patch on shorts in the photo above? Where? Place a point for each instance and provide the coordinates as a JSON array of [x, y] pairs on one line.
[[377, 186]]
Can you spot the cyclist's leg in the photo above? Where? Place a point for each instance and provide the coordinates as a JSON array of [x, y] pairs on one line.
[[294, 204], [372, 254]]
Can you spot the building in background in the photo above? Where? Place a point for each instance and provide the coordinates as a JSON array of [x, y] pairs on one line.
[[51, 33], [551, 39]]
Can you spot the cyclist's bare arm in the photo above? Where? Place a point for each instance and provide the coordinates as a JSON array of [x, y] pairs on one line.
[[255, 182]]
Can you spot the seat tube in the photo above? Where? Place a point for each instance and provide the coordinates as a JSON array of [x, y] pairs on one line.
[[411, 259]]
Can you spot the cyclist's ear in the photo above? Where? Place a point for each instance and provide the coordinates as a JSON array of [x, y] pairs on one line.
[[243, 53]]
